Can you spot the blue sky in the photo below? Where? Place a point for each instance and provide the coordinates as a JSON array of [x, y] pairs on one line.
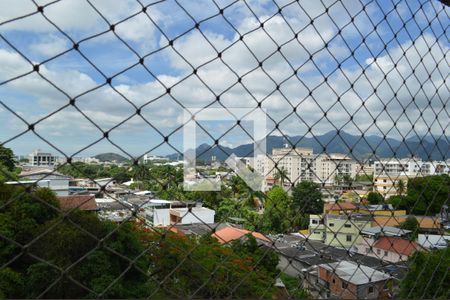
[[403, 83]]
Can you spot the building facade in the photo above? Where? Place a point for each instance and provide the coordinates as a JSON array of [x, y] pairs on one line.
[[45, 159], [343, 231], [347, 280]]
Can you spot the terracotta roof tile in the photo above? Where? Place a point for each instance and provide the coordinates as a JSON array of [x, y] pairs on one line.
[[396, 245], [228, 234], [425, 222], [82, 202]]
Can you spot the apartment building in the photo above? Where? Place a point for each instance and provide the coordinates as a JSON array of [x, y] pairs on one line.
[[301, 164], [42, 159], [388, 173], [297, 163], [329, 167]]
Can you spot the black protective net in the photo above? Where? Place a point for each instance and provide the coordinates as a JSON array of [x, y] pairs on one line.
[[224, 149]]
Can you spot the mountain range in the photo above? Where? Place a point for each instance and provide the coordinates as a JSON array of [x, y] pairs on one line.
[[360, 147]]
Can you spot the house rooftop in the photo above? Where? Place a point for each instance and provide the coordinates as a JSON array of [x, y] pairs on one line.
[[396, 245], [43, 172], [385, 230], [339, 206], [82, 202], [425, 222], [228, 234], [354, 273]]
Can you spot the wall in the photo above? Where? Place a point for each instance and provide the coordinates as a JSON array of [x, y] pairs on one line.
[[341, 232]]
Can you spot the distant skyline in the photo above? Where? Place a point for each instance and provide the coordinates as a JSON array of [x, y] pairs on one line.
[[405, 58]]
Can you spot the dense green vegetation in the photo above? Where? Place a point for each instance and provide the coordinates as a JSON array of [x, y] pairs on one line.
[[411, 224], [294, 287], [307, 198], [8, 170], [45, 254], [93, 171], [424, 195], [428, 276], [375, 198], [7, 158]]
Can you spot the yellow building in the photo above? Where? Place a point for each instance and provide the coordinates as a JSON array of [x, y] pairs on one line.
[[344, 230], [316, 228], [381, 210], [387, 185]]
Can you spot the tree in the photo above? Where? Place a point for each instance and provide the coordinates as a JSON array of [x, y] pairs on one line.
[[411, 224], [400, 187], [7, 158], [281, 175], [117, 261], [375, 198], [277, 211], [428, 276], [347, 179], [426, 195], [6, 174], [307, 198]]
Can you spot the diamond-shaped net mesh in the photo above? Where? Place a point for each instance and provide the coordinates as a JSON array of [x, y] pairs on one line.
[[224, 149]]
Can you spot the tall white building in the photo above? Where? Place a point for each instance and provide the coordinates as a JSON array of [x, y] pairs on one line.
[[39, 158], [406, 166], [330, 166], [297, 164], [301, 164], [389, 172]]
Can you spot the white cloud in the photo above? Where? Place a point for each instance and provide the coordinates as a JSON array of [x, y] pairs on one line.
[[50, 46], [107, 108]]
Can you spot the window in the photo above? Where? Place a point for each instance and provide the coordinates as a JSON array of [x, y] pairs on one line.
[[349, 237], [314, 221], [334, 281], [378, 251], [370, 290], [344, 285], [331, 224], [385, 253], [348, 226]]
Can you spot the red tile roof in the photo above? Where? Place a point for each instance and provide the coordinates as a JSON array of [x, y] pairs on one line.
[[340, 206], [228, 234], [82, 202], [396, 245]]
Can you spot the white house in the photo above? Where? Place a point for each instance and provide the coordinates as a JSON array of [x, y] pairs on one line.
[[57, 182]]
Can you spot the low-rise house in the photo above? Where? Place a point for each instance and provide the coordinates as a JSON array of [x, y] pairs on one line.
[[433, 241], [381, 210], [427, 224], [378, 231], [229, 234], [57, 182], [347, 280], [81, 202], [392, 249], [316, 228], [192, 215], [344, 230], [159, 212], [340, 208]]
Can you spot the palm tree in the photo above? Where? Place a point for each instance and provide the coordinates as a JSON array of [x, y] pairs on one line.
[[281, 175], [400, 187]]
